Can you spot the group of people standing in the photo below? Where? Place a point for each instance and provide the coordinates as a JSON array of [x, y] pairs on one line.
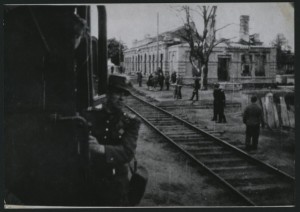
[[155, 80], [252, 116], [160, 79]]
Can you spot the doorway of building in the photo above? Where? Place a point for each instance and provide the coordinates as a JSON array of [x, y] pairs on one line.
[[223, 66]]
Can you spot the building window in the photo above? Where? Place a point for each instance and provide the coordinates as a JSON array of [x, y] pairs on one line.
[[132, 63], [136, 63], [260, 61], [161, 61], [145, 64], [149, 63], [172, 59], [246, 62], [153, 63], [140, 61]]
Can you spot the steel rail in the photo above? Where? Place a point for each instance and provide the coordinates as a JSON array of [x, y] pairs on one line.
[[193, 158], [220, 141], [270, 167]]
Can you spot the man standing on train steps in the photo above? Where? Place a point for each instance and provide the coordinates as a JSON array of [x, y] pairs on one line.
[[112, 145], [252, 118]]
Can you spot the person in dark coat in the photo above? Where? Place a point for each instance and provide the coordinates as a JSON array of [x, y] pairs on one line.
[[150, 81], [112, 145], [178, 86], [252, 118], [161, 80], [155, 80], [222, 103], [196, 89], [167, 80], [173, 77], [216, 103], [139, 78]]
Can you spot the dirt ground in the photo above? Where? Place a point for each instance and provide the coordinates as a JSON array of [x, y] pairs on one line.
[[173, 183], [172, 180]]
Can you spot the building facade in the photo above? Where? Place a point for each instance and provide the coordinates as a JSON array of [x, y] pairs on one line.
[[240, 62]]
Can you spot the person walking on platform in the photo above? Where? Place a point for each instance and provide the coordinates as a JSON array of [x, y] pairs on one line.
[[178, 86], [196, 89], [167, 80], [252, 118]]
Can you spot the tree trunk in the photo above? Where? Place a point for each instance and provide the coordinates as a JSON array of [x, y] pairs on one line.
[[204, 71]]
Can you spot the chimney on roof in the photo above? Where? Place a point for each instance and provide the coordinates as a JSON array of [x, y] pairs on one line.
[[255, 37], [244, 28]]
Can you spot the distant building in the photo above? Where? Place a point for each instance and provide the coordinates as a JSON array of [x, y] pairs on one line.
[[247, 60]]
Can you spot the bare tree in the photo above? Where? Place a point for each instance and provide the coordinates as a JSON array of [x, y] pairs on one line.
[[201, 44], [283, 55], [280, 42]]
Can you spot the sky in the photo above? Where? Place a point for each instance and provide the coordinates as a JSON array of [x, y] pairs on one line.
[[127, 22]]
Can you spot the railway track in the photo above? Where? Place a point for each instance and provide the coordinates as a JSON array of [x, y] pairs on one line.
[[257, 183]]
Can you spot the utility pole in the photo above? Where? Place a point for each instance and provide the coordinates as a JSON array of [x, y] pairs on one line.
[[157, 54], [120, 52]]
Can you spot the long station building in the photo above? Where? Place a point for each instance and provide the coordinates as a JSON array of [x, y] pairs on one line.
[[240, 62]]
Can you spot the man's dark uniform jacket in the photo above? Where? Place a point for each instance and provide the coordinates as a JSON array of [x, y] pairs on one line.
[[118, 132], [253, 115]]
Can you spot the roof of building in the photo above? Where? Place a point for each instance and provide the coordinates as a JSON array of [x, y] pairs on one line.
[[175, 37], [169, 37]]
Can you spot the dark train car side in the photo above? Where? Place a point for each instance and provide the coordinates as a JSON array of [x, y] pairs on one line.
[[54, 69]]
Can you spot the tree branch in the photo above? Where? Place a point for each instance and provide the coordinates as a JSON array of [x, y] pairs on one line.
[[201, 10], [222, 40], [210, 12], [224, 27]]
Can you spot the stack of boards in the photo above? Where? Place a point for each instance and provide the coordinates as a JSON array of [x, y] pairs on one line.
[[277, 115]]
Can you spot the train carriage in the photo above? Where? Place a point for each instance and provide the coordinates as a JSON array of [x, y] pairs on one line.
[[55, 68]]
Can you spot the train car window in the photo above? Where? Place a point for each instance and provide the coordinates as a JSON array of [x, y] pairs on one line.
[[99, 48], [94, 41], [94, 48], [94, 21]]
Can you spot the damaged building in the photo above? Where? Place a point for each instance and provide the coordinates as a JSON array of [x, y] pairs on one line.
[[246, 61]]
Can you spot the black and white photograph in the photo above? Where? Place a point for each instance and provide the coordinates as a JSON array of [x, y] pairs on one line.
[[146, 105]]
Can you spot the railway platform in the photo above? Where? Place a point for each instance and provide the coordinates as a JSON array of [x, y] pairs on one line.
[[166, 97]]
